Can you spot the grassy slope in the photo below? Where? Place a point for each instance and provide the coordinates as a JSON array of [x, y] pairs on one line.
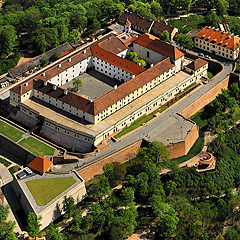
[[37, 147], [10, 131]]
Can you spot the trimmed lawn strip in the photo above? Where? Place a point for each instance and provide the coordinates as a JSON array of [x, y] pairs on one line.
[[4, 162], [10, 132], [14, 169], [37, 147], [45, 190], [140, 121]]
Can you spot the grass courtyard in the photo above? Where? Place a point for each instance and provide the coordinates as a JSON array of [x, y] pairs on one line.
[[10, 132], [45, 190], [37, 147]]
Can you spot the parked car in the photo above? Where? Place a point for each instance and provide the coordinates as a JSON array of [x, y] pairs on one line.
[[201, 54], [207, 57]]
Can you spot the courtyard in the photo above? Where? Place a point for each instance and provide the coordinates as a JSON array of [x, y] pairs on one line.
[[94, 84]]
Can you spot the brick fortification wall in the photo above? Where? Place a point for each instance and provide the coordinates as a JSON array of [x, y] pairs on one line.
[[206, 98], [16, 150], [121, 156], [181, 148]]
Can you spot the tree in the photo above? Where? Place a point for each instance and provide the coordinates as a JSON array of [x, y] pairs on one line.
[[142, 63], [115, 172], [6, 227], [74, 36], [102, 188], [77, 83], [55, 56], [52, 233], [184, 41], [156, 9], [44, 60], [164, 36], [132, 56], [7, 39], [33, 225], [156, 152], [68, 206], [222, 7], [212, 19]]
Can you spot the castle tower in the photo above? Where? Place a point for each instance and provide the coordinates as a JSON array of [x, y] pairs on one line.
[[127, 26]]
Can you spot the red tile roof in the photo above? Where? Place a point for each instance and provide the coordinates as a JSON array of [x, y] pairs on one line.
[[127, 23], [40, 164], [130, 86], [219, 38], [136, 20], [159, 26], [151, 42], [116, 60], [198, 63], [73, 99]]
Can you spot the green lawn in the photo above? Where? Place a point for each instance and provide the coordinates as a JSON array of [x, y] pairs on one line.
[[139, 122], [44, 190], [10, 131], [210, 75], [4, 162], [37, 147], [14, 169], [192, 21]]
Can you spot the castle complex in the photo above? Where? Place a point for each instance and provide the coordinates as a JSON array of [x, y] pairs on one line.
[[120, 93]]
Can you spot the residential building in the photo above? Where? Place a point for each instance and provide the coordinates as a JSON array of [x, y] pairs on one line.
[[218, 42]]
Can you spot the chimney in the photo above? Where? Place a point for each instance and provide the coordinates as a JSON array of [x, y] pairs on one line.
[[54, 87], [115, 86], [65, 92], [45, 83], [84, 51], [138, 63], [69, 59], [151, 65], [59, 65], [44, 74]]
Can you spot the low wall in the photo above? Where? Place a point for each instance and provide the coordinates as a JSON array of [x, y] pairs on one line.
[[96, 168], [16, 150], [203, 100]]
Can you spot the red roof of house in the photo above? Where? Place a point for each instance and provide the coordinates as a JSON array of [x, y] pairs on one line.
[[136, 20], [116, 60], [198, 63], [153, 43], [128, 23], [220, 38], [40, 164]]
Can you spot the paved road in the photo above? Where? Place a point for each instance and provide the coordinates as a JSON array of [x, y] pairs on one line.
[[154, 129]]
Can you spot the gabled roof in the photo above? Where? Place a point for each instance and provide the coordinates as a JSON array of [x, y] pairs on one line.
[[116, 60], [151, 42], [198, 63], [159, 26], [136, 20], [220, 38], [40, 164], [19, 70]]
